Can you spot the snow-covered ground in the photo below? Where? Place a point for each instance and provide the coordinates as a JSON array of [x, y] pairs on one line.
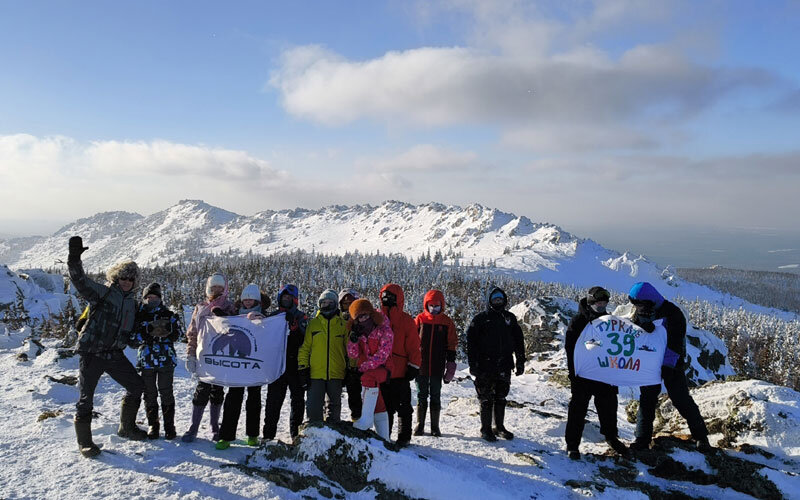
[[40, 457]]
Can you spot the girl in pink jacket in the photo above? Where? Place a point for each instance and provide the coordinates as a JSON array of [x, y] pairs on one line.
[[371, 340], [216, 304]]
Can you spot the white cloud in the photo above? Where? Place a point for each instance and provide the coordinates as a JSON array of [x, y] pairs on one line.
[[523, 70]]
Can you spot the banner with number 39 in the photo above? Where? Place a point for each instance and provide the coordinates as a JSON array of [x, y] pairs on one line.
[[615, 351]]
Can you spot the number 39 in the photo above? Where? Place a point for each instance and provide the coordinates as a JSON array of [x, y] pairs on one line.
[[628, 340]]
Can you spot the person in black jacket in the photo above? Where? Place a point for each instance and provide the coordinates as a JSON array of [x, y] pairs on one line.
[[590, 308], [288, 299], [651, 306], [156, 330], [495, 347]]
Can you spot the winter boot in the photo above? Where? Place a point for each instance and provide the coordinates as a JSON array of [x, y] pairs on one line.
[[382, 425], [83, 431], [169, 421], [435, 411], [152, 422], [422, 409], [639, 444], [618, 446], [214, 415], [404, 431], [486, 422], [499, 416], [703, 446], [574, 454], [127, 421], [222, 444], [197, 416], [252, 441], [368, 409]]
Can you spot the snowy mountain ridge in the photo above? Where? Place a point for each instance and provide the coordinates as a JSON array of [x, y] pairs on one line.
[[474, 234]]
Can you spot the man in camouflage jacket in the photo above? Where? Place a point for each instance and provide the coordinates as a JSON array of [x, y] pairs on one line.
[[101, 342]]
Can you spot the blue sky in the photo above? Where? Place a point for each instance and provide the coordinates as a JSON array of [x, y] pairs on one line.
[[682, 110]]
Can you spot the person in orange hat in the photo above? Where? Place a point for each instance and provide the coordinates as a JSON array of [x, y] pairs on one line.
[[370, 344], [406, 358], [439, 341]]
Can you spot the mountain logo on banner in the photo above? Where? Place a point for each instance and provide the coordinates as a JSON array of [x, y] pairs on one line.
[[239, 344], [236, 341]]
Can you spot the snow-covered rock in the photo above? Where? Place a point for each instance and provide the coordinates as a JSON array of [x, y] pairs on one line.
[[749, 412], [38, 302]]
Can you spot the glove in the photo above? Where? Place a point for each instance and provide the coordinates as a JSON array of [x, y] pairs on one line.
[[304, 375], [252, 315], [449, 372], [191, 365], [411, 372], [520, 367], [217, 311], [76, 247], [648, 327], [354, 336]]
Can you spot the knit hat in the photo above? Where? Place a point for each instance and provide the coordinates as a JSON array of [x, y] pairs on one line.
[[215, 279], [643, 291], [328, 295], [597, 294], [348, 291], [251, 292], [363, 306], [152, 289]]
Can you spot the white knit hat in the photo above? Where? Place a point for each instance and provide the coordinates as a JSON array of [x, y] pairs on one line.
[[251, 292], [215, 280]]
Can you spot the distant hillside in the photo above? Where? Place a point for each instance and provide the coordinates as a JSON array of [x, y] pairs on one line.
[[471, 236], [769, 289]]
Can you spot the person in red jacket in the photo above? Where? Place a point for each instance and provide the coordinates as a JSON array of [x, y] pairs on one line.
[[439, 341], [406, 359]]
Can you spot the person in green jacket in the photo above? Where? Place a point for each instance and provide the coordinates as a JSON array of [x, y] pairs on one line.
[[322, 359]]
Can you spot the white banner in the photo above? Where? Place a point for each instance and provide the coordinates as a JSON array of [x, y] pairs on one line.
[[615, 351], [236, 352]]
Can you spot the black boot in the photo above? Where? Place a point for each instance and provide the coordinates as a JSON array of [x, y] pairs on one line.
[[486, 422], [83, 431], [639, 444], [419, 430], [152, 422], [168, 412], [618, 446], [404, 431], [499, 416], [435, 411], [127, 421]]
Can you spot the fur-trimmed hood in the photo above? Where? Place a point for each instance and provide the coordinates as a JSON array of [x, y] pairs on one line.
[[127, 269]]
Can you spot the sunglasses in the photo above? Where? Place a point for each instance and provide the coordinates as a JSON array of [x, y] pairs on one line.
[[127, 279], [644, 303]]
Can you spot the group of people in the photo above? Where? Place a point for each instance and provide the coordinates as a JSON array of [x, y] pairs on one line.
[[374, 354]]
